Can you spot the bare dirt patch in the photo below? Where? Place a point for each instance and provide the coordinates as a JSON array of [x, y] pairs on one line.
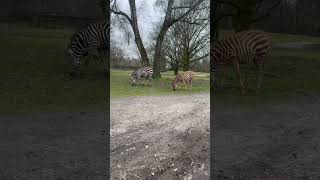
[[53, 146], [165, 137], [268, 141]]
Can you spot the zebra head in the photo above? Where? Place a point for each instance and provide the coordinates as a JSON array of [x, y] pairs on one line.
[[174, 85]]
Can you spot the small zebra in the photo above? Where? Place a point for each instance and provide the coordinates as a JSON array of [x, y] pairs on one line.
[[185, 78], [92, 39], [241, 48], [141, 73]]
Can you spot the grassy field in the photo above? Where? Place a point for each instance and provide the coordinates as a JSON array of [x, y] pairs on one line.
[[33, 67], [32, 71], [121, 85], [298, 70]]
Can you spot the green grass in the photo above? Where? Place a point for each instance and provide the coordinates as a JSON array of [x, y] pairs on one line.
[[121, 85], [32, 70], [298, 70], [33, 66]]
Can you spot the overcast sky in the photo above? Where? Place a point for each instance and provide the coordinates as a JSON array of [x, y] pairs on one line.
[[148, 17]]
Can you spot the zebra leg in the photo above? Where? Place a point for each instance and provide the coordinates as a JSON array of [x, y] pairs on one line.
[[223, 78], [260, 74], [86, 62], [75, 72], [237, 71], [149, 80], [245, 81], [185, 85], [259, 80], [102, 57]]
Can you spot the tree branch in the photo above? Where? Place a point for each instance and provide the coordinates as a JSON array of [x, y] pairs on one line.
[[197, 59], [121, 13], [193, 7]]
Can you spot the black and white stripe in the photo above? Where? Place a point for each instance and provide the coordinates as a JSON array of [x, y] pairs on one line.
[[185, 78], [241, 48], [141, 73], [91, 39]]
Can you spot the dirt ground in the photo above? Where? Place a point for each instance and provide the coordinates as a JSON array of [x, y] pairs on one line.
[[268, 141], [165, 137], [52, 146]]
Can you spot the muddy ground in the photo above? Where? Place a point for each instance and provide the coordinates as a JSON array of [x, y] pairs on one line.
[[164, 137], [268, 141]]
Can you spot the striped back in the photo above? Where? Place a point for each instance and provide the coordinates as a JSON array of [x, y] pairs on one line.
[[245, 45], [92, 37], [186, 76], [141, 73], [243, 48]]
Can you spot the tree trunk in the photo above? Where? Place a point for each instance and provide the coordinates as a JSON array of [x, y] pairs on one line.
[[157, 54], [141, 48], [186, 64], [175, 70], [168, 21], [138, 40]]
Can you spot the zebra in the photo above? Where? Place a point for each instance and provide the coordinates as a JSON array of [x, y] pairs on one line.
[[141, 73], [241, 48], [185, 78], [93, 39]]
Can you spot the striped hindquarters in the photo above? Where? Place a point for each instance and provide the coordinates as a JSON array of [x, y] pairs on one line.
[[92, 37], [241, 48], [185, 77], [141, 73]]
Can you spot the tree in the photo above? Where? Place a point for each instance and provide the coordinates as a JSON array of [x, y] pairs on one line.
[[133, 21], [170, 20], [172, 49], [187, 41]]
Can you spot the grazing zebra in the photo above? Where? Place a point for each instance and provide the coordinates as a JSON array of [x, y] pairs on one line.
[[92, 39], [185, 77], [241, 48], [141, 73]]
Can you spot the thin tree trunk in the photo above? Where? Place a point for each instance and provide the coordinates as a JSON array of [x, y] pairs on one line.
[[186, 64], [134, 24], [141, 48], [175, 69], [157, 54], [138, 40]]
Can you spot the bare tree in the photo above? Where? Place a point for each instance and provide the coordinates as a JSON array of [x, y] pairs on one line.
[[133, 21], [170, 20], [188, 41], [172, 49]]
